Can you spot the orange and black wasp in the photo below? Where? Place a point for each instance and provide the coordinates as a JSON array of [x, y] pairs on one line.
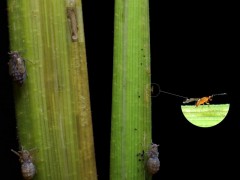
[[199, 101], [202, 100]]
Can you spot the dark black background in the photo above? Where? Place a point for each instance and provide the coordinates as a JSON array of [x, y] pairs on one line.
[[194, 52]]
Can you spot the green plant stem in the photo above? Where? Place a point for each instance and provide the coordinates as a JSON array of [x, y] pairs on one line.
[[53, 106], [131, 101]]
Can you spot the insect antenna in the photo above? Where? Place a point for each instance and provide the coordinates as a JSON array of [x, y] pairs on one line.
[[15, 152], [220, 94]]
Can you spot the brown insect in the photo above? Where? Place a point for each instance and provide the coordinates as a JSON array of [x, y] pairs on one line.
[[204, 100], [17, 68], [153, 163], [199, 101], [71, 14], [27, 167]]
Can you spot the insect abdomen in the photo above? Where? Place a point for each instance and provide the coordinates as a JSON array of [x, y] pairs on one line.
[[153, 165], [18, 77], [28, 170]]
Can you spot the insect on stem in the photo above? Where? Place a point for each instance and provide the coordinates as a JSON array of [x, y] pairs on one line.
[[71, 14], [17, 67], [153, 163], [27, 167]]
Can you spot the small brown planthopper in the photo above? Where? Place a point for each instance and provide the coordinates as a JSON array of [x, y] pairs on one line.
[[153, 163], [27, 167], [17, 68], [71, 14]]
